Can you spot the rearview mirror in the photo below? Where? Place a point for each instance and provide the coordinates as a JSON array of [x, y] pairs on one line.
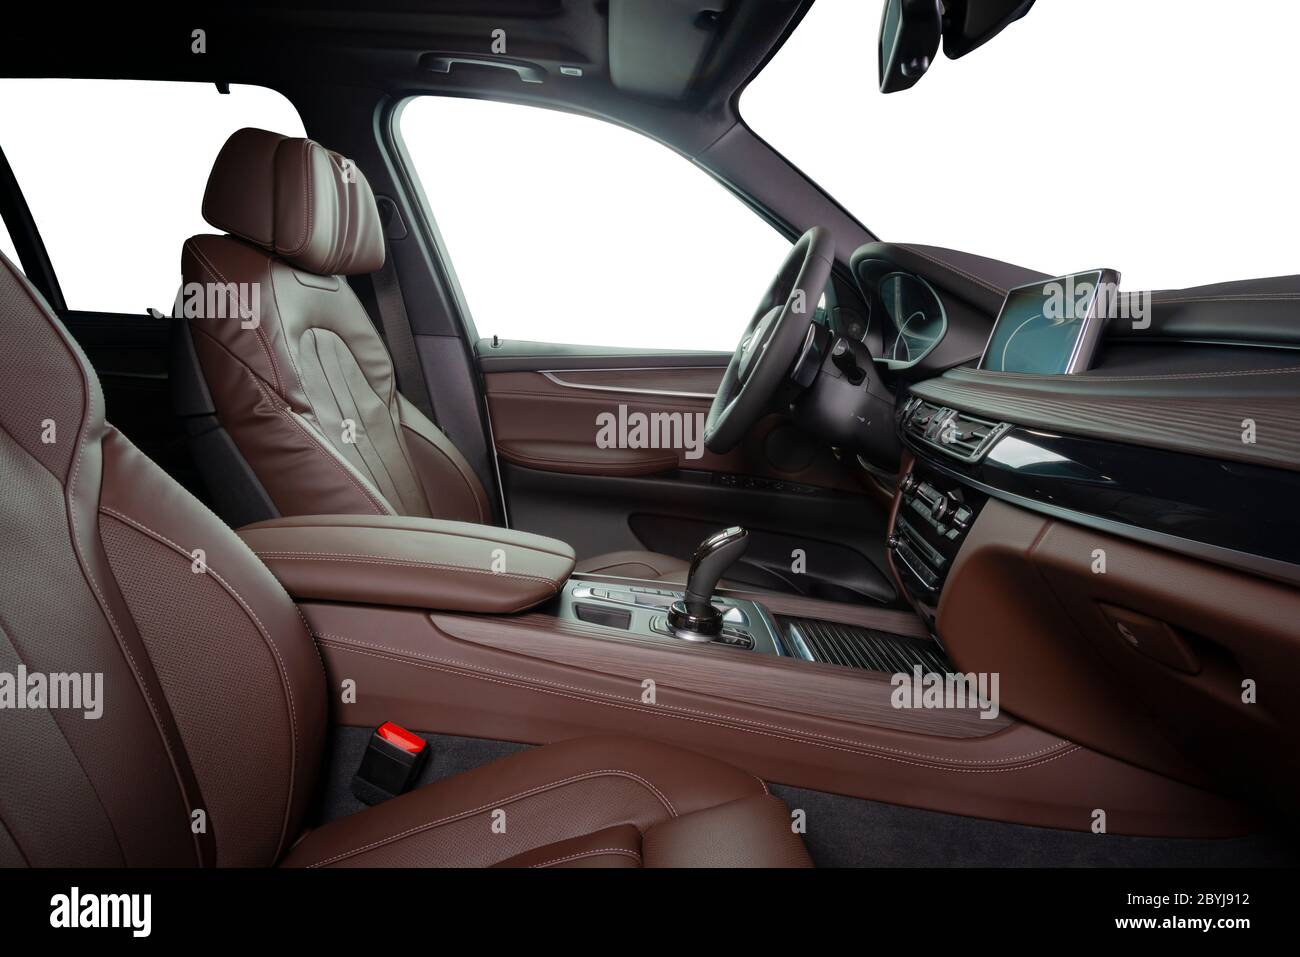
[[909, 39], [910, 31], [969, 23]]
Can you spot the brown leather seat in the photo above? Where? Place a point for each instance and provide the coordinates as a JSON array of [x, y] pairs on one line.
[[211, 695], [308, 396]]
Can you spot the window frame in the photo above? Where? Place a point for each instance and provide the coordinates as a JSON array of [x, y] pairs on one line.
[[446, 276]]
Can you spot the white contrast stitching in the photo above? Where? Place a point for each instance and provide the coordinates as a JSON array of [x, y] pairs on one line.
[[427, 661], [1021, 377], [206, 264], [600, 852], [321, 447], [530, 792], [344, 557], [262, 630], [956, 269]]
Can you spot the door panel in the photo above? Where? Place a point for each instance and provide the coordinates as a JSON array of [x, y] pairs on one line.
[[561, 408], [688, 382], [806, 508]]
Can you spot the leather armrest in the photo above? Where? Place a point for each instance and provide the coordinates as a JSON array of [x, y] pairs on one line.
[[412, 562]]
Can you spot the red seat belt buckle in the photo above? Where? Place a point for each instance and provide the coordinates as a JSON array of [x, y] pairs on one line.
[[393, 760], [395, 734]]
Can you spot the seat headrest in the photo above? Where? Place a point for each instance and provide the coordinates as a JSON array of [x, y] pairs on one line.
[[297, 199]]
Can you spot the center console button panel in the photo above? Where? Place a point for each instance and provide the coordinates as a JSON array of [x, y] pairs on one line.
[[641, 611], [934, 514], [747, 627], [732, 614], [935, 511]]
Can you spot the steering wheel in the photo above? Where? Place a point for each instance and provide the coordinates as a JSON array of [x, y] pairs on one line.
[[771, 341]]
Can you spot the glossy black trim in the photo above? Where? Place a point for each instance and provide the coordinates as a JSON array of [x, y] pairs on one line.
[[1235, 514]]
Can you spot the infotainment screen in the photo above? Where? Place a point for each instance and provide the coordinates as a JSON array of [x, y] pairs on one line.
[[1051, 327]]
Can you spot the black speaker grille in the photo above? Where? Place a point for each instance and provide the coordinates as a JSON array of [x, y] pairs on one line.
[[866, 648]]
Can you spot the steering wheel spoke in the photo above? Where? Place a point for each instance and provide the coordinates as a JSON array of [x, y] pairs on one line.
[[771, 342]]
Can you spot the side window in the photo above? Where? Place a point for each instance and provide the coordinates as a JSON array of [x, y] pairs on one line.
[[567, 229], [114, 172]]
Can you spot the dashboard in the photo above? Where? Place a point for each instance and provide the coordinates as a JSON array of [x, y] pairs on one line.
[[1091, 537], [904, 314]]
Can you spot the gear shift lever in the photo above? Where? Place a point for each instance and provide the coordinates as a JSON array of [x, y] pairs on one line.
[[695, 618]]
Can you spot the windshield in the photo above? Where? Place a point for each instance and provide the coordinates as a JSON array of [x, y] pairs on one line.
[[1156, 138]]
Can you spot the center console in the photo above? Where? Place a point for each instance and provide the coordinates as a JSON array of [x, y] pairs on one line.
[[643, 610], [696, 613], [489, 633], [934, 512]]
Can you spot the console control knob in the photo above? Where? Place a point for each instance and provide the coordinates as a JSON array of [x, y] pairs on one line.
[[691, 626], [695, 617]]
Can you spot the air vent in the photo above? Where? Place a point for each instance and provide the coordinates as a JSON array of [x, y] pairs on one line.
[[959, 434], [853, 647]]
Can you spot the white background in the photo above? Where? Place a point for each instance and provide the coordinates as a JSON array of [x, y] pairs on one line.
[[1156, 137], [114, 173], [564, 228]]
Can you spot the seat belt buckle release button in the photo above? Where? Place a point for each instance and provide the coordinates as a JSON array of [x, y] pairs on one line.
[[393, 760]]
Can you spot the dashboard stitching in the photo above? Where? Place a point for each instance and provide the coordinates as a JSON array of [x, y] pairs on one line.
[[1232, 297], [956, 269], [1020, 376]]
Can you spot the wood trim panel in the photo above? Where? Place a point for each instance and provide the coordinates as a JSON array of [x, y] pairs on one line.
[[784, 684], [1197, 423]]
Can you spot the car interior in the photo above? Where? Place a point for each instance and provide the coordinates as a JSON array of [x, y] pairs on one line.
[[364, 585]]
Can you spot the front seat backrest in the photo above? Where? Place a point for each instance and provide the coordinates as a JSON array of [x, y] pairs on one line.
[[300, 379], [211, 693]]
